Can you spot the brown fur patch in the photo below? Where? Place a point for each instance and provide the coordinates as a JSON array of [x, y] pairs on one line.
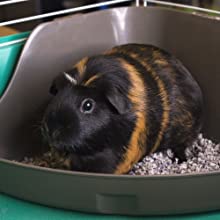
[[91, 79], [137, 95], [160, 62], [111, 51], [133, 55], [143, 48], [158, 58], [81, 66], [163, 63], [185, 118]]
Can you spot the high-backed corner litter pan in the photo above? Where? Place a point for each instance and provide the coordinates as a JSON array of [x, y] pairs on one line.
[[55, 46]]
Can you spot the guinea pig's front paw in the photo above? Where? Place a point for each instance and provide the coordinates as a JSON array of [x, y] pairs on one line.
[[179, 153], [67, 164], [100, 162], [58, 159]]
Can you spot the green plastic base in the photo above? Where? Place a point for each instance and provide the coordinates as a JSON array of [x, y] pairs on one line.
[[11, 209], [8, 57]]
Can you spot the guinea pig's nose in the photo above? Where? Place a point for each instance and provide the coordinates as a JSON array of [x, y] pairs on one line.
[[55, 134], [56, 122]]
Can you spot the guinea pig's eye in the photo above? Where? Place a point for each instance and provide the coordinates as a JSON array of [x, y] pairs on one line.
[[87, 106]]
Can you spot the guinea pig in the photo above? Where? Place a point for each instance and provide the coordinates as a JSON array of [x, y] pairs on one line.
[[111, 110]]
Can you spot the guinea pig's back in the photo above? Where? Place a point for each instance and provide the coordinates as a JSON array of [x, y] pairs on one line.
[[174, 99]]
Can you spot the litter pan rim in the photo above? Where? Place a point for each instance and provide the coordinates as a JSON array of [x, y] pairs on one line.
[[104, 175]]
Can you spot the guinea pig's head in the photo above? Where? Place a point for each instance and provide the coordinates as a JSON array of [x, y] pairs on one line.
[[71, 117], [87, 115]]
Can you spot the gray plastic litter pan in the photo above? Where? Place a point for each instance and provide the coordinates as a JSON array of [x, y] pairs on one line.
[[54, 47]]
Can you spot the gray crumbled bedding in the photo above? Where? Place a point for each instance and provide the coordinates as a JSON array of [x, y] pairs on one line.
[[202, 156]]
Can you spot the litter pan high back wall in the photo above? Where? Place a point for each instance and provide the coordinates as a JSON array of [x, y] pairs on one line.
[[54, 47]]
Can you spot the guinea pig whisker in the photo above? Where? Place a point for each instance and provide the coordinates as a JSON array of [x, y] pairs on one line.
[[37, 126], [45, 135]]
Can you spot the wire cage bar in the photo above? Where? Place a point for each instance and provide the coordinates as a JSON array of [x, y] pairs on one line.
[[96, 5], [195, 8], [138, 3], [4, 3], [62, 12]]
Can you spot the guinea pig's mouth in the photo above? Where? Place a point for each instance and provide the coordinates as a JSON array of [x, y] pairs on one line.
[[62, 147], [58, 144], [70, 149]]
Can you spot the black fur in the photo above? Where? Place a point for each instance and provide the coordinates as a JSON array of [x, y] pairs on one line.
[[98, 141]]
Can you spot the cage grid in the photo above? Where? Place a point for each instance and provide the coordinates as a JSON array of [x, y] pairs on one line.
[[105, 201], [138, 3]]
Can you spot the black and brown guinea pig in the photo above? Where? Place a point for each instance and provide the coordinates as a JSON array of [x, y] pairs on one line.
[[111, 110]]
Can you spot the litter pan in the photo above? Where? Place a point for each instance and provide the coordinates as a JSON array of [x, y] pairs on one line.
[[54, 47]]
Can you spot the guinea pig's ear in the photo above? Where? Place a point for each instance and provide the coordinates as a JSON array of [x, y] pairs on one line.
[[61, 81], [118, 100], [58, 83]]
